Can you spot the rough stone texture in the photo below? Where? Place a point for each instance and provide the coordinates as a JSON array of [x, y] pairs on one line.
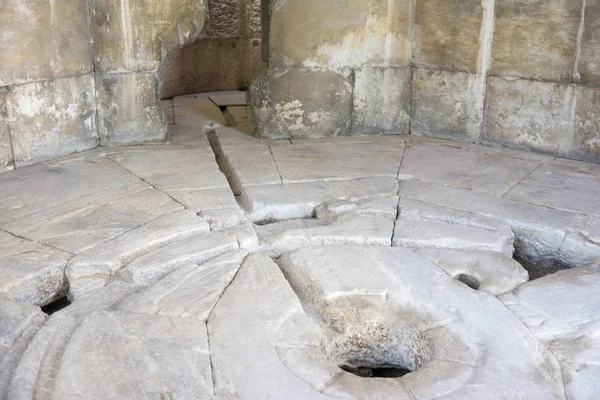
[[536, 39], [18, 324], [283, 103], [351, 33], [43, 40], [530, 114], [157, 348], [6, 154], [381, 101], [31, 272], [447, 104], [52, 118], [589, 57], [586, 138], [560, 311], [129, 109], [447, 34]]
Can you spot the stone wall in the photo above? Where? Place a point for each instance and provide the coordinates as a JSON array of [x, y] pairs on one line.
[[227, 56], [521, 73], [77, 73]]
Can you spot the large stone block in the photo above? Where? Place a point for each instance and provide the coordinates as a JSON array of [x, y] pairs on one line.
[[301, 103], [43, 40], [447, 34], [381, 100], [530, 114], [134, 35], [6, 156], [589, 57], [338, 34], [52, 118], [586, 140], [536, 39], [129, 109], [447, 104]]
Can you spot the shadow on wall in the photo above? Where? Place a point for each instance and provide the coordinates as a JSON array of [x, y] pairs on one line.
[[226, 56]]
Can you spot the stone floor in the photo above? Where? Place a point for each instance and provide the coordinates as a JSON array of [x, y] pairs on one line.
[[221, 266]]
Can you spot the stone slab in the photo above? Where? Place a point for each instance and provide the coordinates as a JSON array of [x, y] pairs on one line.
[[129, 110], [52, 118], [464, 168], [189, 292], [197, 110], [209, 199], [151, 267], [342, 161], [249, 166], [96, 267], [31, 272], [228, 99]]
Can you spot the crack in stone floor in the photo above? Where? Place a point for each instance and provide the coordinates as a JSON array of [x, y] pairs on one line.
[[222, 266]]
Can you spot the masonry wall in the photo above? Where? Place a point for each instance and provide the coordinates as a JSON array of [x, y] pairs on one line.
[[227, 56], [521, 73], [77, 73]]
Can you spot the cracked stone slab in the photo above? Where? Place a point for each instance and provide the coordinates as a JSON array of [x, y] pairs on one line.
[[188, 135], [135, 356], [190, 292], [151, 267], [318, 161], [560, 187], [18, 325], [96, 267], [198, 110], [458, 343], [227, 99], [465, 169], [246, 168], [491, 272], [540, 232], [223, 218], [270, 203], [31, 272], [427, 225], [209, 199], [561, 310]]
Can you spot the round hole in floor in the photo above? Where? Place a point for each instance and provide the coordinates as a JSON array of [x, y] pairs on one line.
[[468, 280], [379, 349]]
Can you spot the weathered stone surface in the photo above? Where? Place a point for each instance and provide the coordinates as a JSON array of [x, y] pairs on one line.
[[129, 109], [351, 33], [586, 138], [437, 328], [464, 168], [52, 118], [151, 267], [226, 18], [198, 110], [530, 114], [43, 41], [18, 324], [381, 101], [208, 199], [292, 201], [540, 233], [6, 154], [321, 161], [589, 58], [558, 186], [491, 272], [536, 39], [168, 110], [447, 104], [560, 310], [116, 344], [133, 36], [426, 225], [283, 103], [95, 268], [448, 34], [31, 272], [189, 292]]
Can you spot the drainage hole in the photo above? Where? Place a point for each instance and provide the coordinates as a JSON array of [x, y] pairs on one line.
[[56, 305], [366, 372], [468, 280]]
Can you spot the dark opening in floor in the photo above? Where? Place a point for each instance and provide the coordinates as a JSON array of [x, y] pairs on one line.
[[468, 280], [540, 268], [56, 305], [365, 372]]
